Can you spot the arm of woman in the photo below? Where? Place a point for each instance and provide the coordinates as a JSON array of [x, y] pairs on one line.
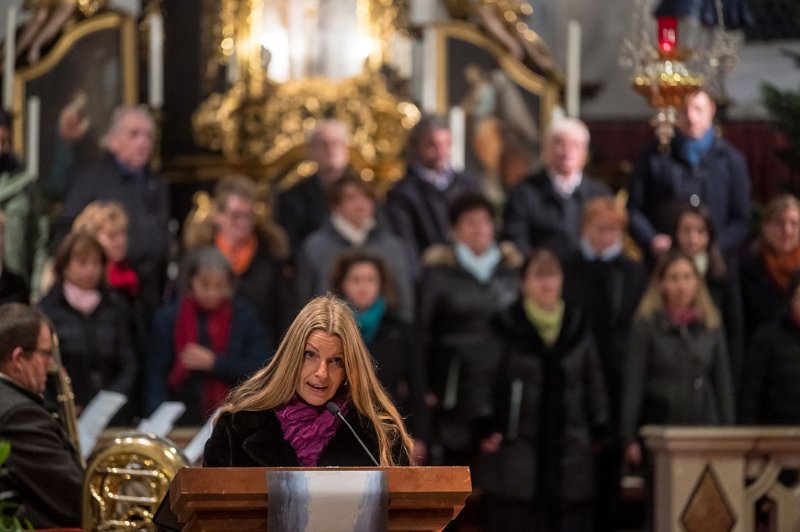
[[635, 378], [160, 358], [218, 451], [723, 382], [248, 349]]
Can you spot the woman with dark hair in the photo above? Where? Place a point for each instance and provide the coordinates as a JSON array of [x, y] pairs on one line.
[[279, 416], [766, 272], [770, 394], [364, 281], [550, 409], [696, 236], [92, 321], [204, 343], [677, 370]]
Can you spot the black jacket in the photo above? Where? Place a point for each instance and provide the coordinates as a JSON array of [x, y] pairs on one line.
[[417, 212], [770, 392], [97, 350], [302, 209], [537, 216], [459, 347], [762, 299], [255, 439], [550, 406], [43, 467], [608, 293], [402, 373]]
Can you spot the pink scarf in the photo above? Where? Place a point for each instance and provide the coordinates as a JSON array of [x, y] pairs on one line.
[[309, 429], [83, 300], [682, 317]]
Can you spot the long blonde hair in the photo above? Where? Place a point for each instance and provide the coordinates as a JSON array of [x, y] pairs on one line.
[[653, 300], [275, 384]]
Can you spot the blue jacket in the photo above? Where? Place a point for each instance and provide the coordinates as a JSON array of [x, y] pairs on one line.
[[659, 184]]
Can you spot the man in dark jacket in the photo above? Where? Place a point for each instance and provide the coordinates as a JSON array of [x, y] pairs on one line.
[[303, 208], [545, 209], [700, 168], [417, 205], [43, 468], [124, 176]]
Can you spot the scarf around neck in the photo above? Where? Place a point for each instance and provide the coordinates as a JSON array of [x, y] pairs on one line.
[[83, 300], [121, 276], [356, 236], [187, 330], [308, 428], [241, 255], [547, 322], [780, 266], [610, 253], [369, 320], [480, 266], [693, 150]]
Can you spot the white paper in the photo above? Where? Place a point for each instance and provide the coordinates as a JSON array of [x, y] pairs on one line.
[[194, 450], [95, 418], [163, 419]]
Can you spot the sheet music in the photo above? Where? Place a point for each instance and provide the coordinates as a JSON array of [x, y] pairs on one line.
[[95, 418], [194, 450], [163, 419]]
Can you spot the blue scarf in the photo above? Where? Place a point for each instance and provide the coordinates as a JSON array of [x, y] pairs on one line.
[[610, 253], [693, 150], [483, 266], [369, 320]]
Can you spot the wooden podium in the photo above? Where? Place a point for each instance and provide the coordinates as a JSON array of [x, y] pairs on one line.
[[236, 498]]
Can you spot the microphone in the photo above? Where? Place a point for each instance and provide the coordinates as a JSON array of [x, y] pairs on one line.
[[334, 409]]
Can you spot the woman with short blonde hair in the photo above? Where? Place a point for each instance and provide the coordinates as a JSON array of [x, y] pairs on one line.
[[282, 407]]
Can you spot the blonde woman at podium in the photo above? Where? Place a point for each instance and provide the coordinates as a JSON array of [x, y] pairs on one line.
[[317, 403]]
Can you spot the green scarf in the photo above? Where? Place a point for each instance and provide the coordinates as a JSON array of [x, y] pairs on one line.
[[547, 322]]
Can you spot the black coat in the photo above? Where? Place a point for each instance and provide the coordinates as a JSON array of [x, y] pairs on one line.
[[43, 467], [460, 349], [762, 299], [417, 212], [402, 373], [659, 184], [608, 293], [98, 350], [302, 209], [770, 392], [550, 406], [255, 439], [537, 216], [13, 288]]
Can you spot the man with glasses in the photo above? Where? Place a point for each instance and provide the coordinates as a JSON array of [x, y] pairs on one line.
[[43, 467]]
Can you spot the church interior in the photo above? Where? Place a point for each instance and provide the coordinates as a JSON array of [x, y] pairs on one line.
[[247, 104]]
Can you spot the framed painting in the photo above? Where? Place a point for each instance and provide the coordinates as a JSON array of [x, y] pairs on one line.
[[92, 69]]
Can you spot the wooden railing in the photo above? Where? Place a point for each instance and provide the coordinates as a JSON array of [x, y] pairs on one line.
[[741, 479]]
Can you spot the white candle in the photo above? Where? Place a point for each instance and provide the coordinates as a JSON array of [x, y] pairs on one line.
[[429, 76], [10, 51], [573, 96], [156, 89], [32, 146], [458, 131]]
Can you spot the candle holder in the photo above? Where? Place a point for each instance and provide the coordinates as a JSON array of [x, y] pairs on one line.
[[664, 72]]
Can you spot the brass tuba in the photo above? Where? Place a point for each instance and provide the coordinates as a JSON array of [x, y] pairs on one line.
[[126, 479]]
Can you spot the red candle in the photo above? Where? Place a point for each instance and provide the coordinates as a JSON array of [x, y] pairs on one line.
[[667, 33]]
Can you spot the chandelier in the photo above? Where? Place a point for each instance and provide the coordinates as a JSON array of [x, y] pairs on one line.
[[665, 70]]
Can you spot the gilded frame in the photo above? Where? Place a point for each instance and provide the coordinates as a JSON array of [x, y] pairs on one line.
[[128, 74]]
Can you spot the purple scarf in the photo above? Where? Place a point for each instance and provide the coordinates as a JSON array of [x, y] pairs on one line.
[[308, 429]]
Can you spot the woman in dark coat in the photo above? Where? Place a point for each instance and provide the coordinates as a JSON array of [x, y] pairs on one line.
[[204, 343], [677, 370], [92, 322], [280, 416], [550, 409], [463, 285], [696, 236], [364, 281], [770, 394], [766, 272]]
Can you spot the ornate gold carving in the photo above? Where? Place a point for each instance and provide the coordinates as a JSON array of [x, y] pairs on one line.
[[260, 121]]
